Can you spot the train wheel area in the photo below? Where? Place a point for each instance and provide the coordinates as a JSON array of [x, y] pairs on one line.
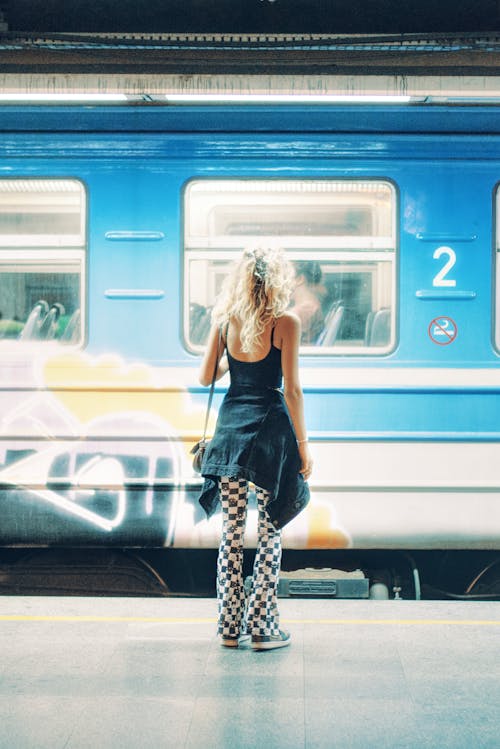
[[144, 672], [321, 574]]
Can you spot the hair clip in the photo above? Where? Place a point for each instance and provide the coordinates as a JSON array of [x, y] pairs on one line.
[[260, 268]]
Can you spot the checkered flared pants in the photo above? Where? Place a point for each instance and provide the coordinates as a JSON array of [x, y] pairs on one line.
[[259, 614]]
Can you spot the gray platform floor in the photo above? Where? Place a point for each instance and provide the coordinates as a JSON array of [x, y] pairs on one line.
[[134, 673]]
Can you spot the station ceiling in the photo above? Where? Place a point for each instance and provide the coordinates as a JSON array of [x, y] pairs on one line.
[[253, 40], [253, 16]]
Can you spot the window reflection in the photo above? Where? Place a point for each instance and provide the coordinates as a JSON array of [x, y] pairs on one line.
[[340, 237], [42, 254], [308, 299]]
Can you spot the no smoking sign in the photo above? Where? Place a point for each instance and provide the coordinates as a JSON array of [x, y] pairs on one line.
[[443, 330]]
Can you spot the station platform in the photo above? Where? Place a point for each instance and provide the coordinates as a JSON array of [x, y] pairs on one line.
[[148, 673]]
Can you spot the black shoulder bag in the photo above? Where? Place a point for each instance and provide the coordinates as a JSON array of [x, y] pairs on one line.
[[198, 451]]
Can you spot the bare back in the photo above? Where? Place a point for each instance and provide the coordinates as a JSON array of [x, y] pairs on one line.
[[261, 351]]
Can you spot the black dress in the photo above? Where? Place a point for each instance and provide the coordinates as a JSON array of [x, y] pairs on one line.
[[254, 439]]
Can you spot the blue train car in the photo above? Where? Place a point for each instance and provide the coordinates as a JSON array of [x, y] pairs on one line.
[[117, 225]]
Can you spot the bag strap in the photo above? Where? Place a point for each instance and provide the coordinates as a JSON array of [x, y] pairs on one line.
[[212, 385]]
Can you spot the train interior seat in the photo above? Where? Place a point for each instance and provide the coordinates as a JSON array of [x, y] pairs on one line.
[[332, 326], [71, 332], [378, 327], [31, 330], [42, 323], [199, 323], [369, 325], [48, 327]]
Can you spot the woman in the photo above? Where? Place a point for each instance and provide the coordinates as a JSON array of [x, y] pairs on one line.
[[260, 437], [306, 298]]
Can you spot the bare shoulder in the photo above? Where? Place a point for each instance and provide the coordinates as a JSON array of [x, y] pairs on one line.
[[288, 325], [289, 320]]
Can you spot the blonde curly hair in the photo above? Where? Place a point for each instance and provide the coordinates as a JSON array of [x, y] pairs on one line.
[[257, 290]]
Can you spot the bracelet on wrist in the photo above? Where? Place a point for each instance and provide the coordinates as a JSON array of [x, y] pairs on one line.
[[301, 442]]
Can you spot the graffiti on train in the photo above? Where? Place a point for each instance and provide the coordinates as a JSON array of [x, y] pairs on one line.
[[97, 451]]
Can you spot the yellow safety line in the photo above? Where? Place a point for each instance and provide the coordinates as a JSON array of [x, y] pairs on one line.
[[427, 622], [210, 620]]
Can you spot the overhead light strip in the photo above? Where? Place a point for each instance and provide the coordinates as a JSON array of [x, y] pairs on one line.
[[98, 98], [194, 99], [76, 98], [285, 99]]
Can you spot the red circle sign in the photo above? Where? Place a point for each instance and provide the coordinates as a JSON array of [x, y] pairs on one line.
[[443, 330]]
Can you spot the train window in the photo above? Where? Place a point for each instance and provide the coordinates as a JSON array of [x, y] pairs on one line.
[[339, 234], [42, 260]]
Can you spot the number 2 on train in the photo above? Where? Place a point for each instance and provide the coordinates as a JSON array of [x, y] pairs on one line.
[[440, 277]]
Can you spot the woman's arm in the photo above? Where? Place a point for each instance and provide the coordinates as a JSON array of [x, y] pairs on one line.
[[210, 357], [288, 335]]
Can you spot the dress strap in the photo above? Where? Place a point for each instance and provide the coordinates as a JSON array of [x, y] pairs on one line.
[[272, 333]]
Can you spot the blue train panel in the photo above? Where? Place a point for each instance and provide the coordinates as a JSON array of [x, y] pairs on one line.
[[117, 226]]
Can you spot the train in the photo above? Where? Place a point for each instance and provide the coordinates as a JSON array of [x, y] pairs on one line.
[[118, 222]]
